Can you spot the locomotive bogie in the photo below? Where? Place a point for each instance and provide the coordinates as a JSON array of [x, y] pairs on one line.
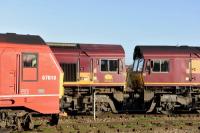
[[17, 119]]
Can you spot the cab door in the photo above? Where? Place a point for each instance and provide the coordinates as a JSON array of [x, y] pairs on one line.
[[9, 71], [85, 69], [29, 67]]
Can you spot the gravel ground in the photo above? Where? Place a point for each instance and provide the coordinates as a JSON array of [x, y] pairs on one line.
[[122, 124]]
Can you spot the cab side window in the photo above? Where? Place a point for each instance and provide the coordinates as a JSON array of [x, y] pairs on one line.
[[30, 60], [164, 66], [109, 65], [104, 65], [156, 66], [160, 66], [113, 65]]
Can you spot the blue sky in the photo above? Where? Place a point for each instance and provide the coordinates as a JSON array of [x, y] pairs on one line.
[[125, 22]]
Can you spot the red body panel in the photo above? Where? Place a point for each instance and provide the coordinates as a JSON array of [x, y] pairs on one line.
[[31, 88], [176, 75]]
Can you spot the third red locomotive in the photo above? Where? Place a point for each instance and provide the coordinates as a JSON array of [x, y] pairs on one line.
[[168, 77]]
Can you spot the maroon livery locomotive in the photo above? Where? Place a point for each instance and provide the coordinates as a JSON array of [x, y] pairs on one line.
[[169, 76], [90, 68]]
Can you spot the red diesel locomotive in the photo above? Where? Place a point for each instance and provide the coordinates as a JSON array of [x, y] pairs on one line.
[[30, 79], [168, 77], [90, 68]]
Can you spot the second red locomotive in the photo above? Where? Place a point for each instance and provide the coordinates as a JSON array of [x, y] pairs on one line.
[[90, 68]]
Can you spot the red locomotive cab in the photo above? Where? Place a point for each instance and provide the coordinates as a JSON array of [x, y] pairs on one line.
[[108, 66], [159, 67], [30, 75], [153, 67]]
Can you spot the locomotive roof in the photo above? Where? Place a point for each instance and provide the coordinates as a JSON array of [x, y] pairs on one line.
[[102, 48], [88, 48], [182, 51], [21, 39]]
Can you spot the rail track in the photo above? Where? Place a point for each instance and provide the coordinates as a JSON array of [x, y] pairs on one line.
[[109, 122]]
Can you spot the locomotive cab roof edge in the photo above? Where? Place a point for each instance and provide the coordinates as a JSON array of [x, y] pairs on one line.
[[21, 39], [177, 51]]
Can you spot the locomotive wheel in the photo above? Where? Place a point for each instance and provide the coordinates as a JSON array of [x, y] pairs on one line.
[[167, 108], [54, 119], [18, 124], [100, 108], [28, 122]]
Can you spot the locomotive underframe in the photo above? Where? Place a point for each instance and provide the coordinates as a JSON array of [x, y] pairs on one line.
[[170, 99], [80, 99]]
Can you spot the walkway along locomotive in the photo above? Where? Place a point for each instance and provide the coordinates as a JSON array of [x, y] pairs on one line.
[[30, 80]]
